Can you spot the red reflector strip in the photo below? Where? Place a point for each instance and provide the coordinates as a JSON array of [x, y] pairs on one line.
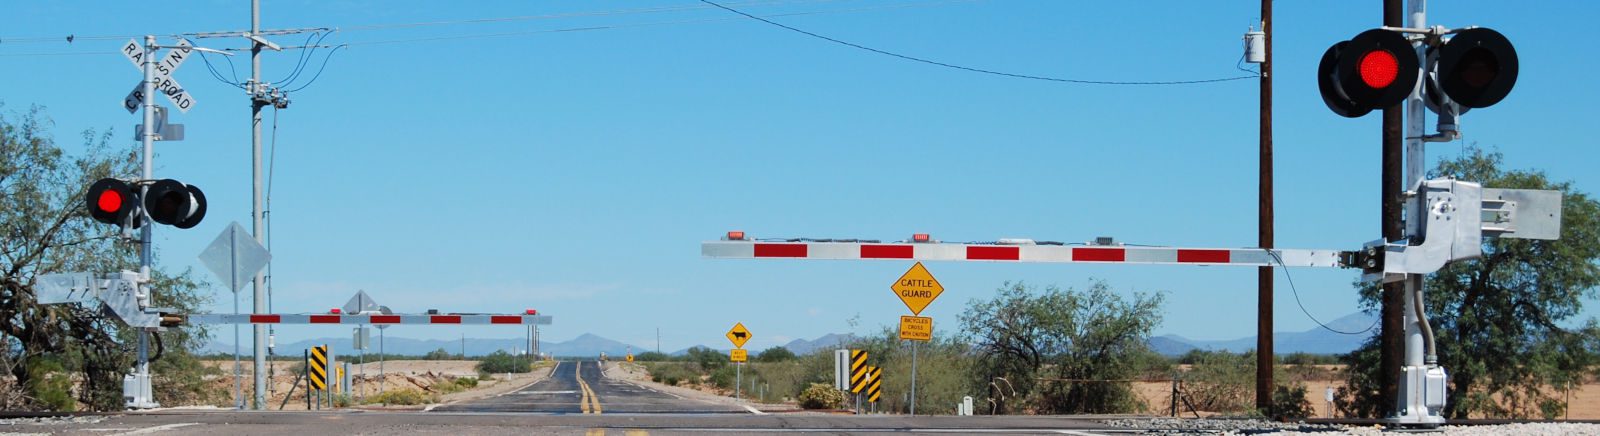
[[886, 251], [446, 319], [265, 319], [386, 319], [505, 319], [993, 253], [1099, 254], [1204, 256], [325, 319], [780, 250]]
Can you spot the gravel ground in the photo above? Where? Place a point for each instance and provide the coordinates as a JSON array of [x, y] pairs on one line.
[[1255, 426], [52, 421]]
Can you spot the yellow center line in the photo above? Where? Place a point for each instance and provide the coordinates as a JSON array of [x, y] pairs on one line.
[[588, 396], [594, 398]]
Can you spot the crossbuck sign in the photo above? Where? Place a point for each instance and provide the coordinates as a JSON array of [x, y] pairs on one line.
[[165, 84]]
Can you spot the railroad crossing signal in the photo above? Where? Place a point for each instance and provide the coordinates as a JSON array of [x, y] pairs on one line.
[[738, 335], [165, 201], [1379, 68], [917, 288]]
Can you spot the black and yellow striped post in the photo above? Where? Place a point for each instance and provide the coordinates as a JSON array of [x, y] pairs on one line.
[[858, 371], [317, 373], [875, 386]]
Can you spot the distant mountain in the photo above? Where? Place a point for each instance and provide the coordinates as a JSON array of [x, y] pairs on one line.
[[828, 341], [584, 345], [1317, 340]]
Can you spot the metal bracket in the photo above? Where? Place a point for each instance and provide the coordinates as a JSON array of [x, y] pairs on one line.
[[1451, 217]]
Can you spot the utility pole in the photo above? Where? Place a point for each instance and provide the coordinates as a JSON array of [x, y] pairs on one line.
[[1264, 285], [1393, 327], [257, 287]]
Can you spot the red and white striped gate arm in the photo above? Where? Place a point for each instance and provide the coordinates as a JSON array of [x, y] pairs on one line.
[[274, 318], [1017, 252]]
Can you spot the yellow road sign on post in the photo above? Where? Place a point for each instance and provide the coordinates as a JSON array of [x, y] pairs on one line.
[[917, 288], [875, 388], [738, 355], [916, 328], [630, 357], [738, 335], [318, 372], [858, 371]]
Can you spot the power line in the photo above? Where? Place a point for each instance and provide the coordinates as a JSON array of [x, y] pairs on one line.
[[651, 10], [972, 69], [647, 24]]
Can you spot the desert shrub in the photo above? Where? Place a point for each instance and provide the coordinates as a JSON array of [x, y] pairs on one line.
[[1289, 402], [724, 377], [775, 354], [404, 397], [50, 385], [343, 400], [671, 373], [1220, 381], [821, 396], [466, 382], [439, 354], [651, 356], [500, 362]]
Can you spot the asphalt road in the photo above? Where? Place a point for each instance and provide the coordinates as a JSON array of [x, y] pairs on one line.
[[214, 423], [580, 388]]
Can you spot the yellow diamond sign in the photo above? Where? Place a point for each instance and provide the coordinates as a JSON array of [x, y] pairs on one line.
[[917, 288], [738, 335]]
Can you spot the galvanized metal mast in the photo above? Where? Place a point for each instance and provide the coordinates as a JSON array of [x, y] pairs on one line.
[[257, 288]]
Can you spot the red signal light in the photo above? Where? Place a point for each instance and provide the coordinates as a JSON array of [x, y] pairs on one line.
[[919, 237], [110, 201], [736, 235], [533, 312], [1376, 69], [334, 311], [1379, 68]]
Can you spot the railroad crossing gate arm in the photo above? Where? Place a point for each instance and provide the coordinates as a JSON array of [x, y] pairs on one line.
[[1451, 218], [273, 318], [1015, 250]]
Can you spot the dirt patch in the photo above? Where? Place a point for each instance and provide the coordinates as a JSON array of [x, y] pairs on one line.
[[637, 374], [428, 376]]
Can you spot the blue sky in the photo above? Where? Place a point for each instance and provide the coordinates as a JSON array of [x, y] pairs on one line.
[[576, 172]]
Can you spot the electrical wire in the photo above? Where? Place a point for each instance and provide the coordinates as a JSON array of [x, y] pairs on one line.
[[320, 69], [304, 54], [1297, 302], [646, 24], [215, 74], [650, 10], [973, 69]]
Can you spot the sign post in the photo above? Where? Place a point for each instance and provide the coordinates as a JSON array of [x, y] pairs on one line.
[[916, 288], [738, 335]]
